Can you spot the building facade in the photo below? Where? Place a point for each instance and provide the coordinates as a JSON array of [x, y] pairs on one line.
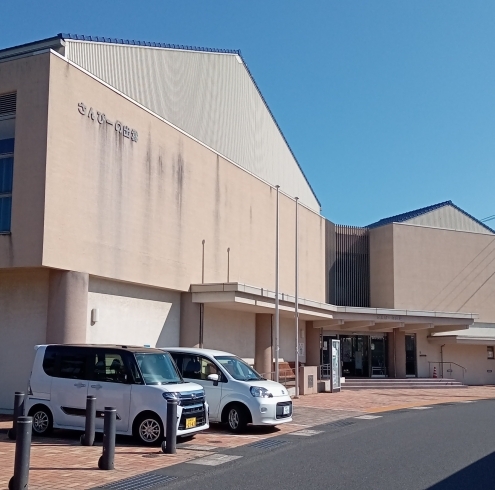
[[139, 188]]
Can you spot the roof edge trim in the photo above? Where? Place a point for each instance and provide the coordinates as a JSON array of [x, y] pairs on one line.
[[23, 49], [132, 42]]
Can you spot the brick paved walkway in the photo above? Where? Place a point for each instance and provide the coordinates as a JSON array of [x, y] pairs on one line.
[[382, 400], [61, 463]]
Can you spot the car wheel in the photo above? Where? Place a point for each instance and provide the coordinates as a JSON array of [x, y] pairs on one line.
[[237, 418], [149, 430], [42, 420]]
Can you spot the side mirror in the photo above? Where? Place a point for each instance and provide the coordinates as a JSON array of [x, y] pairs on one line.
[[213, 377]]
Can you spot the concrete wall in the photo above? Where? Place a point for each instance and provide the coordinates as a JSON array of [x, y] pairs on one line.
[[444, 270], [382, 267], [132, 315], [288, 339], [23, 313], [421, 268], [230, 331], [472, 357], [138, 211], [426, 352], [29, 77]]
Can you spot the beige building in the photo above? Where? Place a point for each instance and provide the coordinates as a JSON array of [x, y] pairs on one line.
[[138, 205]]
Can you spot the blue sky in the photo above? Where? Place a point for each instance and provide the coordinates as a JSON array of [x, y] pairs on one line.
[[388, 105]]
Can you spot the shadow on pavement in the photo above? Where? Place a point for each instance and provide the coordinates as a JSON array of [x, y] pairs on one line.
[[479, 475]]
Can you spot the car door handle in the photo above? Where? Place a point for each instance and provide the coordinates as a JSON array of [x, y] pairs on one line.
[[96, 387], [79, 385]]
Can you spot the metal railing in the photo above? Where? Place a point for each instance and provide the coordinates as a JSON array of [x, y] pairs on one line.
[[378, 372], [286, 377], [325, 371], [449, 370]]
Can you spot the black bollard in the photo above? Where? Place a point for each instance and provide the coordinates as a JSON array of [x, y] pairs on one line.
[[18, 412], [22, 454], [171, 430], [107, 458], [88, 438]]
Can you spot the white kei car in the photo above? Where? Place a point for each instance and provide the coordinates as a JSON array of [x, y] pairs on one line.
[[235, 392]]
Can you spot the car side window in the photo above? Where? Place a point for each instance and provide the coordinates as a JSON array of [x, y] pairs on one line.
[[109, 367], [207, 368], [73, 363], [49, 361], [191, 366], [178, 361]]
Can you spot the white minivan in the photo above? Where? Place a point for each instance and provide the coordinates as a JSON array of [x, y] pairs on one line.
[[236, 393], [137, 381]]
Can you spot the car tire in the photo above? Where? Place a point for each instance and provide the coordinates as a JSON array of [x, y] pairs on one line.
[[237, 418], [42, 420], [148, 429]]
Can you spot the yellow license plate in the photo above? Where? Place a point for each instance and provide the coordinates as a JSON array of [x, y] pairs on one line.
[[190, 423]]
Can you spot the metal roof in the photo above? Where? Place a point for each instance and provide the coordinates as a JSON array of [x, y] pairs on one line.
[[58, 42], [129, 42], [132, 42], [401, 218]]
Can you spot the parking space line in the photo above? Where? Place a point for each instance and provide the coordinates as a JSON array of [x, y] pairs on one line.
[[368, 417], [305, 432], [214, 459], [198, 447]]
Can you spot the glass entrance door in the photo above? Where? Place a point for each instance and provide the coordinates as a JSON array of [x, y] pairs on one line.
[[378, 347], [411, 355], [355, 355]]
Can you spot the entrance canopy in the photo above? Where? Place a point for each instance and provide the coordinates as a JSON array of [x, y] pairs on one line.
[[480, 334], [331, 318]]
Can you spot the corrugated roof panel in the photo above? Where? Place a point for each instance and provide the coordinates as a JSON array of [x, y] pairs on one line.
[[442, 215], [451, 218], [209, 95]]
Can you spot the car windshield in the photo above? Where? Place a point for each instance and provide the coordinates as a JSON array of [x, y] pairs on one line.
[[158, 369], [237, 368]]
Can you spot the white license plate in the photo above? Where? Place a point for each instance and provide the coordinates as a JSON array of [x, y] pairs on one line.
[[286, 410]]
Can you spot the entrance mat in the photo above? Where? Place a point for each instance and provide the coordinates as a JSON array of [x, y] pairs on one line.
[[140, 482], [267, 444]]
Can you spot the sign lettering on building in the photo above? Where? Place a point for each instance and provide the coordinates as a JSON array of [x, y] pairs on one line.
[[388, 317], [101, 118]]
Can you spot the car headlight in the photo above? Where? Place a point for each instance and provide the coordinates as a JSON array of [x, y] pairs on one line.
[[260, 392], [170, 395]]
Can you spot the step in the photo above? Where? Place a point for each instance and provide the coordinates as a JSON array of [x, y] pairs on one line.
[[400, 380], [427, 386]]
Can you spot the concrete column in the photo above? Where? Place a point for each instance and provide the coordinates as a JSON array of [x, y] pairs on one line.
[[397, 354], [312, 345], [189, 321], [67, 317], [263, 362]]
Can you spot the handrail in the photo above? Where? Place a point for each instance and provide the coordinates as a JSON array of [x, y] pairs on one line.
[[325, 371], [284, 376], [464, 370]]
